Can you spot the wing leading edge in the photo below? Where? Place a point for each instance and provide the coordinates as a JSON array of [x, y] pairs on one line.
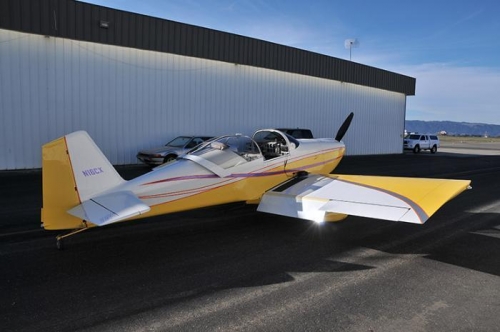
[[412, 200]]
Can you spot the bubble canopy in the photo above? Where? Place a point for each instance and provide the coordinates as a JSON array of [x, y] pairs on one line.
[[233, 150], [227, 151]]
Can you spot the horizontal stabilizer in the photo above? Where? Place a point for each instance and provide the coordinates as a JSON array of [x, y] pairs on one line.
[[110, 208], [410, 200]]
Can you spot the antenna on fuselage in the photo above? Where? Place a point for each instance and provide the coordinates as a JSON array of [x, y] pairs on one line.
[[344, 127]]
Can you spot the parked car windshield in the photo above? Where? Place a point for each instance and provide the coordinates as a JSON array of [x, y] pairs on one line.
[[179, 142], [297, 133], [414, 137]]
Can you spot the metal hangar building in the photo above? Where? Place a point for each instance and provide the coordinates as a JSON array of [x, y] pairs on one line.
[[134, 81]]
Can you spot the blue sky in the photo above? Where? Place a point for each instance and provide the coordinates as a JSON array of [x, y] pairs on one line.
[[452, 48]]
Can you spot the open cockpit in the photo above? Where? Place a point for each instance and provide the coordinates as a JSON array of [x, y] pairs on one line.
[[226, 152], [274, 143], [234, 150]]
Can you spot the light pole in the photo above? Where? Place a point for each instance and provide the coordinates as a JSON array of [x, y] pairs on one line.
[[350, 43]]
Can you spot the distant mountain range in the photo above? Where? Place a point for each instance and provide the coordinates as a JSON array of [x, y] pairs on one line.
[[453, 128]]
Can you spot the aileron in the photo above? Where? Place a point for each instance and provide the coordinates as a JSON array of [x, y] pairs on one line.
[[390, 198]]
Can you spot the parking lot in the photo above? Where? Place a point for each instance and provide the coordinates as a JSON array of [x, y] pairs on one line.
[[231, 268]]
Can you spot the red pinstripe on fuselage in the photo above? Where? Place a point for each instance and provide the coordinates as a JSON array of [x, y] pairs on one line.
[[184, 185]]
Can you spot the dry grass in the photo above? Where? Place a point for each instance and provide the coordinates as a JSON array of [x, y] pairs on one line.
[[459, 139]]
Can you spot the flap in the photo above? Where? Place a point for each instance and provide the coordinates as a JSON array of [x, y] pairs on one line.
[[411, 200], [110, 208]]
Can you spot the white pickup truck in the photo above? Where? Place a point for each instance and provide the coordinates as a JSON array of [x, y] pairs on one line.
[[418, 142]]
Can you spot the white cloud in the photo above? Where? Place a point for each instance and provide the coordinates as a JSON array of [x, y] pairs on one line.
[[447, 92]]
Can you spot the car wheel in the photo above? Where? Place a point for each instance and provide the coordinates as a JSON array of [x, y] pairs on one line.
[[416, 149], [169, 158], [434, 149]]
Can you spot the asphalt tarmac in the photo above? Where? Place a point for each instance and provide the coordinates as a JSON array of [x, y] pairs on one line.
[[233, 269]]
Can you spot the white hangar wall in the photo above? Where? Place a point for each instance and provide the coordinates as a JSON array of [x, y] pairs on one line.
[[129, 99]]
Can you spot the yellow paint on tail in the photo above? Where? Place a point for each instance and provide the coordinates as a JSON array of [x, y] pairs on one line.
[[59, 193]]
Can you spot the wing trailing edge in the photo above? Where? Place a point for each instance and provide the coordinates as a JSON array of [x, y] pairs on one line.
[[411, 200], [110, 208]]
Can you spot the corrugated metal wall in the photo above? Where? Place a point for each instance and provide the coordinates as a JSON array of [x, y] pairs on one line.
[[82, 21], [129, 99]]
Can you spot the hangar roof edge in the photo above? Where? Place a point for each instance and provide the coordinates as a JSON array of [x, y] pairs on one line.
[[92, 23]]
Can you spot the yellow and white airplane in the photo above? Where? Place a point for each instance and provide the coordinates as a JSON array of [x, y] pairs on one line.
[[283, 175]]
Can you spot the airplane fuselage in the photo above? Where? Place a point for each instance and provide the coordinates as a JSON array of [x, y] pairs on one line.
[[183, 184]]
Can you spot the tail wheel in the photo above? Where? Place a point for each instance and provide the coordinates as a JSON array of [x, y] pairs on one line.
[[434, 149], [416, 149], [59, 244]]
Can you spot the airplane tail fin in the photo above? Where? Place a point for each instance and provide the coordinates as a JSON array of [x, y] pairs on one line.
[[73, 170]]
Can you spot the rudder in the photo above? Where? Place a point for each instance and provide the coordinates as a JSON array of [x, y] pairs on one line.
[[73, 170]]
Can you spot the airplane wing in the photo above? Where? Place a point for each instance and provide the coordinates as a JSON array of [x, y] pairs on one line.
[[411, 200], [110, 208]]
